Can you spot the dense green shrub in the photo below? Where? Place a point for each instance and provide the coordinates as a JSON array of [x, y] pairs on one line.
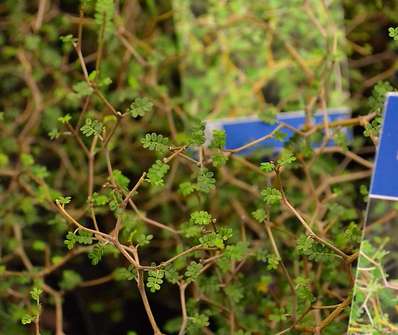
[[116, 218]]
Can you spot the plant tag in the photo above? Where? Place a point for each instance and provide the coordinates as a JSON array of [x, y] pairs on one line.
[[385, 176], [375, 298], [244, 130]]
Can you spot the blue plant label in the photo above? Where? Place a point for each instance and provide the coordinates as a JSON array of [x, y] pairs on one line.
[[241, 131], [385, 174]]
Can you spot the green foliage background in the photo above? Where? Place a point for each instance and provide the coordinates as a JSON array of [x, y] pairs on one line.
[[107, 219], [241, 57]]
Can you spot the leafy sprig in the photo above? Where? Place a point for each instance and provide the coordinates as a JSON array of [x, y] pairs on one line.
[[155, 280], [157, 172], [92, 127], [140, 106], [156, 142]]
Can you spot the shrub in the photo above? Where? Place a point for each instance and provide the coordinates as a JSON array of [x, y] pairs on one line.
[[112, 206]]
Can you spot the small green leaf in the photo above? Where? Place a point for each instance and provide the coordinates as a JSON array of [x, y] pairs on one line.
[[68, 40], [27, 319], [155, 279], [40, 171], [219, 159], [92, 75], [70, 240], [237, 251], [393, 33], [156, 142], [349, 237], [216, 239], [140, 106], [120, 179], [54, 134], [104, 82], [143, 239], [63, 200], [218, 139], [198, 321], [267, 167], [273, 262], [35, 294], [104, 12], [171, 274], [271, 196], [259, 214], [186, 188], [157, 172], [201, 218], [85, 237], [306, 246], [96, 254], [286, 158], [197, 134], [92, 127], [64, 119], [82, 89], [193, 271], [303, 290], [206, 181], [99, 199]]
